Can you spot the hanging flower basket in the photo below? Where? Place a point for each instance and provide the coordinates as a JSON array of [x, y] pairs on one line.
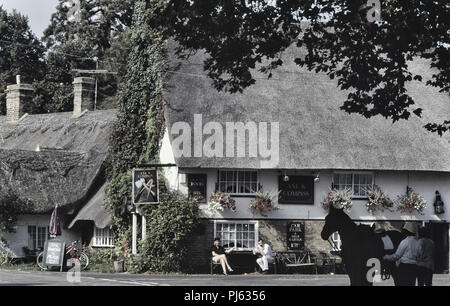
[[377, 200], [220, 201], [263, 203], [338, 198], [410, 202]]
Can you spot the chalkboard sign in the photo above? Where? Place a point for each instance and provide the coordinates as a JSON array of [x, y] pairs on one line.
[[54, 253], [296, 235], [298, 190], [145, 186], [197, 187]]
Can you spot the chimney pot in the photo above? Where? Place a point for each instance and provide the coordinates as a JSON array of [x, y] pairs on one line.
[[18, 98], [84, 95]]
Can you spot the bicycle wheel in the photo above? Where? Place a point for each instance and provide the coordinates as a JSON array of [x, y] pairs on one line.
[[40, 261], [84, 261]]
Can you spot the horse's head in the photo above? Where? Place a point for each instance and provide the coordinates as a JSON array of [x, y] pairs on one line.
[[334, 222]]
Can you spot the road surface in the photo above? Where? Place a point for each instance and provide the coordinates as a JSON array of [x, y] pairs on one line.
[[33, 278]]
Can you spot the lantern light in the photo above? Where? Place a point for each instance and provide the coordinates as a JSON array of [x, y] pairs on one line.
[[438, 204]]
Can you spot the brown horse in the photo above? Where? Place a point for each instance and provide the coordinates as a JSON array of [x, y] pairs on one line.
[[359, 244]]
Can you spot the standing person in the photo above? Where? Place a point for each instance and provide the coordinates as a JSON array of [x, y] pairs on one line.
[[219, 255], [426, 258], [267, 256], [407, 256]]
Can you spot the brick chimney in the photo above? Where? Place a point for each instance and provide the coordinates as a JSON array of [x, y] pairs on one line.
[[84, 95], [18, 98]]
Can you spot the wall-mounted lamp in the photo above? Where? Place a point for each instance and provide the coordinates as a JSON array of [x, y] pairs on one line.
[[438, 204], [286, 177], [317, 177]]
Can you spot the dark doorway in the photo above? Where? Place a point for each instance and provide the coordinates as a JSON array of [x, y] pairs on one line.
[[439, 234]]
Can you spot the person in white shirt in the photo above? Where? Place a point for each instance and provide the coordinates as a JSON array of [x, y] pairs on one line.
[[266, 255], [407, 256]]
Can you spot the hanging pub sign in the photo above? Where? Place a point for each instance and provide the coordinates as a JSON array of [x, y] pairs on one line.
[[54, 253], [296, 190], [145, 186], [197, 187], [296, 235]]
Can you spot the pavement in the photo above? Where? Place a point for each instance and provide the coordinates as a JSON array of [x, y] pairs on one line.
[[34, 278]]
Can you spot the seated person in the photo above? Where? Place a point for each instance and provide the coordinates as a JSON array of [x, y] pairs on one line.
[[219, 255], [267, 257]]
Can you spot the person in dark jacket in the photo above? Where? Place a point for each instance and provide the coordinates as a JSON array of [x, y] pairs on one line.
[[218, 253], [425, 264]]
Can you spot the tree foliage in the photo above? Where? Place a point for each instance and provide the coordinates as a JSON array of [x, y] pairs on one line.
[[10, 209], [171, 225], [20, 53], [139, 127], [370, 59], [86, 41]]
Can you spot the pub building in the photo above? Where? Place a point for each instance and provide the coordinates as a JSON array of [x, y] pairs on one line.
[[319, 147]]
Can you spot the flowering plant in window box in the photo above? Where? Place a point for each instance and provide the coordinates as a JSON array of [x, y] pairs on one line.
[[263, 203], [377, 200], [220, 201], [411, 201], [338, 198]]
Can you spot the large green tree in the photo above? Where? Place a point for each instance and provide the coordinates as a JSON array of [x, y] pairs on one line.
[[21, 53], [368, 56], [85, 36]]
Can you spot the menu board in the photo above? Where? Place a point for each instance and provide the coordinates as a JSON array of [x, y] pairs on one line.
[[298, 190], [296, 235], [197, 187], [54, 253]]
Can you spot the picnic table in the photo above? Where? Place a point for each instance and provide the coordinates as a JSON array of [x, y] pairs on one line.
[[297, 259]]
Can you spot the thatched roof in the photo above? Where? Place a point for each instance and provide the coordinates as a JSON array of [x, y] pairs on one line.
[[61, 176], [94, 211], [314, 132]]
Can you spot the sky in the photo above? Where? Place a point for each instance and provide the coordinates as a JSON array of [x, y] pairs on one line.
[[38, 12]]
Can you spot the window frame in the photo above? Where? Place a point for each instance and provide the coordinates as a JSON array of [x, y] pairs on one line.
[[95, 237], [236, 182], [353, 173], [254, 222], [36, 236]]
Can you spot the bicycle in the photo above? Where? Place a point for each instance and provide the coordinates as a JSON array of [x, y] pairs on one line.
[[71, 251]]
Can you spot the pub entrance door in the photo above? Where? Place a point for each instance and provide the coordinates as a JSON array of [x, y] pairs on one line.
[[439, 234]]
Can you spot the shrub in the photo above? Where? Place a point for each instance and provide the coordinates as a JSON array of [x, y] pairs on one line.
[[170, 225]]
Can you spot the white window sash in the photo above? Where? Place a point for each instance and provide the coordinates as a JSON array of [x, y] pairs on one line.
[[355, 196], [229, 222], [103, 238], [235, 181]]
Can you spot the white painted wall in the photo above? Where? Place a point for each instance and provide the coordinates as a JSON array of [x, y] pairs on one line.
[[392, 183], [16, 241]]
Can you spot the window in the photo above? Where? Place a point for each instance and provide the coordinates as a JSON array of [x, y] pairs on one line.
[[238, 182], [337, 242], [37, 236], [243, 235], [103, 237], [358, 182]]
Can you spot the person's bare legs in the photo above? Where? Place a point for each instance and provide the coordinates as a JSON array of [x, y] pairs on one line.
[[224, 267], [226, 262]]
